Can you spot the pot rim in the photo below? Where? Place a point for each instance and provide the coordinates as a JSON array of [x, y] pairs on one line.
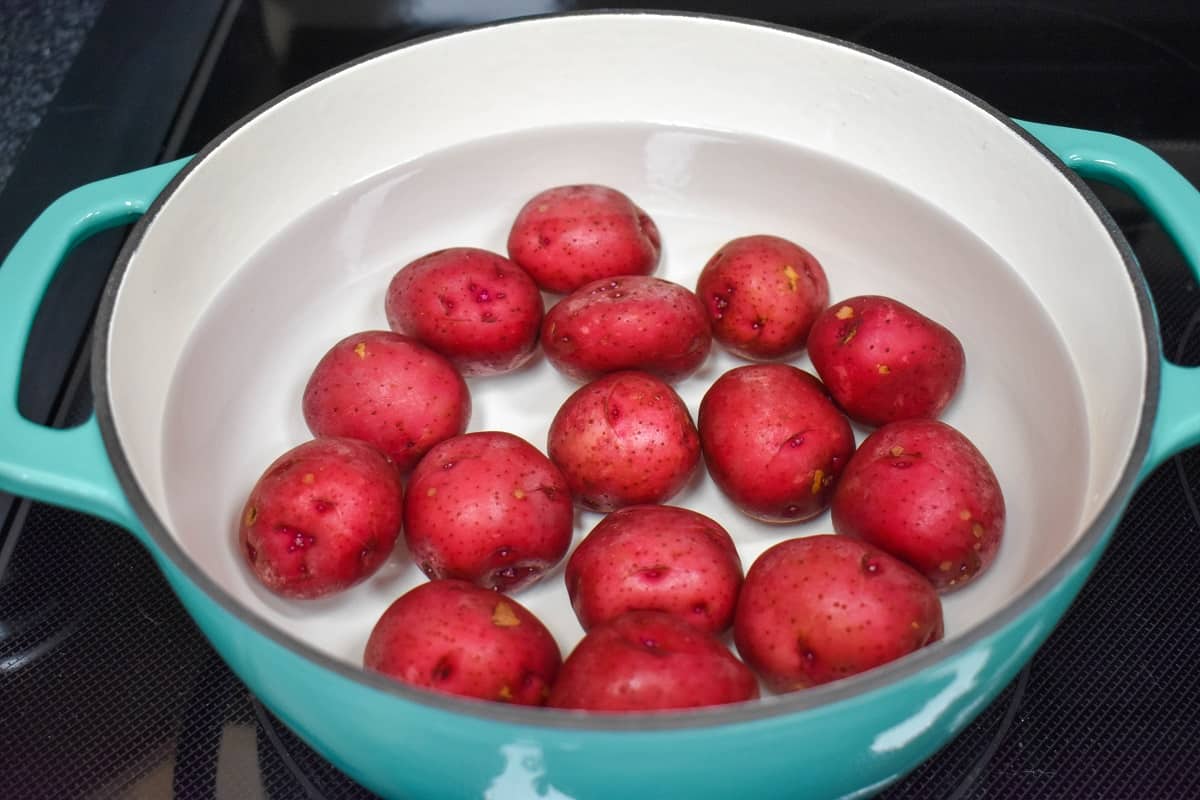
[[877, 679]]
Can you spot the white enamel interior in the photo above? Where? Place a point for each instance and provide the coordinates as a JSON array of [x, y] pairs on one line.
[[899, 186]]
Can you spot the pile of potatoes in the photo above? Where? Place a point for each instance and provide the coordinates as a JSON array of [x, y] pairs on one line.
[[916, 507]]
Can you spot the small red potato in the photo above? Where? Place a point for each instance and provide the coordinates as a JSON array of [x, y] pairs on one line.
[[476, 308], [455, 637], [773, 441], [920, 490], [883, 361], [656, 558], [388, 390], [650, 661], [762, 294], [622, 440], [571, 235], [324, 516], [630, 322], [817, 609], [488, 508]]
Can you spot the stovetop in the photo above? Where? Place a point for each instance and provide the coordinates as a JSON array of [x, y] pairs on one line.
[[108, 690]]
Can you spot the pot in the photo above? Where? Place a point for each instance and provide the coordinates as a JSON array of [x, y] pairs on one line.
[[250, 259]]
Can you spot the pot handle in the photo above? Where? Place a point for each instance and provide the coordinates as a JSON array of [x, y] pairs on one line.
[[1175, 203], [65, 467]]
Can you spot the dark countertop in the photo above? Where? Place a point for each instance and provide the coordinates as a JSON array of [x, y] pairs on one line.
[[38, 41]]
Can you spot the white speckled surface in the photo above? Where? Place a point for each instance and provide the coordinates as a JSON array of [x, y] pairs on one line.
[[38, 43]]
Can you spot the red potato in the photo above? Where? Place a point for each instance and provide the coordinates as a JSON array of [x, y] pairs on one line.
[[623, 440], [488, 508], [883, 361], [571, 235], [650, 661], [388, 390], [762, 294], [817, 609], [630, 322], [323, 517], [773, 441], [478, 309], [656, 558], [920, 490], [454, 637]]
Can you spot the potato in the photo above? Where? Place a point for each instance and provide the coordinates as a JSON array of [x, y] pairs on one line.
[[657, 558], [650, 661], [817, 609], [630, 322], [622, 440], [324, 516], [478, 309], [920, 490], [773, 441], [455, 637], [571, 235], [883, 361], [488, 508], [389, 390], [762, 294]]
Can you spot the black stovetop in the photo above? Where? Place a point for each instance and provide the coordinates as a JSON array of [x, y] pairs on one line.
[[108, 690]]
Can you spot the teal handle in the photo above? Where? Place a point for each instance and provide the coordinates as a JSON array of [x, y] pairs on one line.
[[1175, 203], [65, 467]]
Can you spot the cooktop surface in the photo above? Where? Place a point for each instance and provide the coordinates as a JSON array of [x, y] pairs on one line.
[[108, 690]]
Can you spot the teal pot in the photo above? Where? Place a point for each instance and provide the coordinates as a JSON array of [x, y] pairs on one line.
[[252, 258]]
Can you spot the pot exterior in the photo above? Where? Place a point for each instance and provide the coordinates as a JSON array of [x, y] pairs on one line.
[[852, 747], [403, 749]]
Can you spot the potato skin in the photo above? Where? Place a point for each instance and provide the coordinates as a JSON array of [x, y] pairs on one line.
[[630, 322], [478, 309], [883, 361], [567, 236], [323, 517], [622, 440], [762, 294], [455, 637], [388, 390], [489, 508], [920, 490], [650, 661], [660, 558], [820, 608], [773, 441]]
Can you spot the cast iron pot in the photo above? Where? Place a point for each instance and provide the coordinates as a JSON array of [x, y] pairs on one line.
[[252, 258]]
